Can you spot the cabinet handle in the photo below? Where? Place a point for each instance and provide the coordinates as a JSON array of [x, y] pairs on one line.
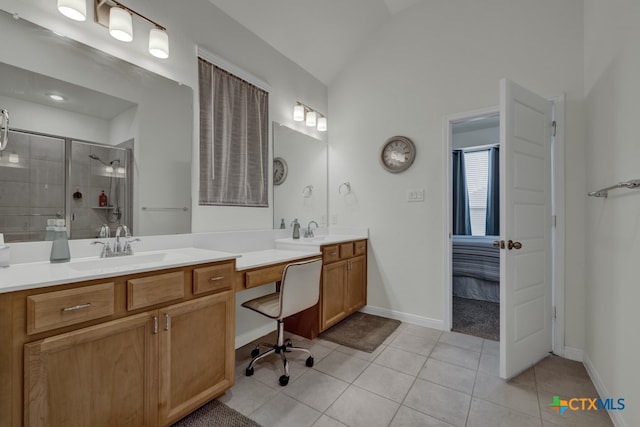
[[333, 253], [167, 321], [75, 307], [215, 279], [155, 324]]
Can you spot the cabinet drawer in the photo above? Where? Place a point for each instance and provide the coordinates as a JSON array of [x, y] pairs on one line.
[[264, 276], [346, 250], [361, 247], [63, 308], [214, 278], [330, 253], [148, 291]]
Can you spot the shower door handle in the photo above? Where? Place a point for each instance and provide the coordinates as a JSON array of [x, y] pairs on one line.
[[4, 134]]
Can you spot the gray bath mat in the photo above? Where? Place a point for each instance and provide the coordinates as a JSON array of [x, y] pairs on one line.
[[216, 414], [361, 331]]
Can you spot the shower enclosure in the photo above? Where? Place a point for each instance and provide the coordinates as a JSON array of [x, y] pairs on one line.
[[44, 177]]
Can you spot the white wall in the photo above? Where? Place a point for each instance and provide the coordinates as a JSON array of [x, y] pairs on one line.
[[432, 60], [612, 89], [199, 24]]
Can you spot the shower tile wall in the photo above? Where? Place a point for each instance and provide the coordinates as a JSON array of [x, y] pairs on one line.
[[31, 185]]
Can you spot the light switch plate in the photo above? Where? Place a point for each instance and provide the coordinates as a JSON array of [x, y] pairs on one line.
[[415, 195]]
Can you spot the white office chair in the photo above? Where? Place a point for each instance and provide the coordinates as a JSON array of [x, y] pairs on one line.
[[299, 290]]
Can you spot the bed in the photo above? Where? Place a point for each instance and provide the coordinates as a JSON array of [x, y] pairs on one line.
[[476, 268]]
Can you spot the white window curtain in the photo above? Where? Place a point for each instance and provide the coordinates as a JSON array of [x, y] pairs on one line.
[[234, 145]]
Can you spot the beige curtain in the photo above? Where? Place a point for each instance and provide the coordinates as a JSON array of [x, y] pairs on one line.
[[234, 145]]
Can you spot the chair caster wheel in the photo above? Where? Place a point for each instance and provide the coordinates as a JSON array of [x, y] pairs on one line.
[[255, 352], [248, 372], [309, 361], [288, 343], [284, 380]]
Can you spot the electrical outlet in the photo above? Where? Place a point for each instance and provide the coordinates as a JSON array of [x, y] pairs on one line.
[[415, 195]]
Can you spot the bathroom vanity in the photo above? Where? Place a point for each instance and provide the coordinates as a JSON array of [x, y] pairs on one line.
[[146, 339]]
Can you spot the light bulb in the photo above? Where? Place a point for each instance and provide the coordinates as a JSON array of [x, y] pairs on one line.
[[120, 25], [298, 113], [158, 43], [120, 170], [322, 124], [311, 118], [109, 169], [73, 9]]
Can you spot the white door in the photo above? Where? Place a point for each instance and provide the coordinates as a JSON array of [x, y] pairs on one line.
[[525, 228]]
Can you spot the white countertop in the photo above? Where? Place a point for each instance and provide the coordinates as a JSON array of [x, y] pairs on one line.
[[314, 243], [271, 256], [40, 274]]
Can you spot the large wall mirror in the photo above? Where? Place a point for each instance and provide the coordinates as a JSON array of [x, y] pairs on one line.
[[117, 128], [300, 178]]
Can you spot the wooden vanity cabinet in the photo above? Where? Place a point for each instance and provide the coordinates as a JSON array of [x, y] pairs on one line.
[[147, 364], [343, 289], [344, 282]]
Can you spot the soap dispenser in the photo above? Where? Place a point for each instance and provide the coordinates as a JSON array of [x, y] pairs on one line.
[[296, 228], [60, 246]]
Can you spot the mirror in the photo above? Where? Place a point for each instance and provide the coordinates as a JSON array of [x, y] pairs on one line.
[[108, 102], [300, 165]]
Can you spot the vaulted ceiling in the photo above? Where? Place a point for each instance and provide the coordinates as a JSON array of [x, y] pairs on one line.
[[320, 36]]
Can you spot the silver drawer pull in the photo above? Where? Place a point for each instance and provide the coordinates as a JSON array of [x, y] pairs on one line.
[[215, 279], [75, 307]]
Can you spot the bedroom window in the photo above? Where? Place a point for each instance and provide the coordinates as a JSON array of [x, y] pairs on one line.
[[477, 167]]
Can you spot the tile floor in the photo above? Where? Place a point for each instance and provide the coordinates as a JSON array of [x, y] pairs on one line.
[[417, 377]]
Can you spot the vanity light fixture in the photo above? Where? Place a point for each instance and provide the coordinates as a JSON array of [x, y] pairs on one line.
[[120, 24], [311, 119], [118, 18], [73, 9], [310, 116]]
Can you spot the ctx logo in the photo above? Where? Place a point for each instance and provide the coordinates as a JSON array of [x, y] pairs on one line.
[[586, 404]]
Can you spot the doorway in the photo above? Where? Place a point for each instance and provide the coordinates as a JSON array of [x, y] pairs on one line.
[[475, 266], [532, 323]]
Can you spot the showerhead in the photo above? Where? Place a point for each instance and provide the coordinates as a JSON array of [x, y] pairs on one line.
[[94, 157]]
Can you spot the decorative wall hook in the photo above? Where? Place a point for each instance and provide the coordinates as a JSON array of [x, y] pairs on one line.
[[347, 185], [307, 191]]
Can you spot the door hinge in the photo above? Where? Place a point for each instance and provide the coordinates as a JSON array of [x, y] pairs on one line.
[[554, 220], [554, 125], [555, 314]]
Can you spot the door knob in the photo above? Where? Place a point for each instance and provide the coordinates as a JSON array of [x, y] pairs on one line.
[[498, 244], [514, 245]]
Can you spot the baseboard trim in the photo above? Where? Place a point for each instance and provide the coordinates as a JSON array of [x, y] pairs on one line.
[[616, 416], [254, 334], [573, 354], [404, 317]]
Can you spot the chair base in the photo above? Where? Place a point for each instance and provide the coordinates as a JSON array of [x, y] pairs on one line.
[[283, 346]]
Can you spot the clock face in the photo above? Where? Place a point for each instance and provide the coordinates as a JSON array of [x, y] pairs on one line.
[[397, 154], [279, 170]]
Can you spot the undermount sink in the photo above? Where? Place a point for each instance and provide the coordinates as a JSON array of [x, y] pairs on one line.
[[129, 261]]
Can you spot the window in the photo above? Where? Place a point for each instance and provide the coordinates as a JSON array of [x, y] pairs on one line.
[[477, 168], [234, 145]]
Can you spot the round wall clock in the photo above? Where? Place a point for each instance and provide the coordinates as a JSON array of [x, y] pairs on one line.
[[397, 154], [279, 170]]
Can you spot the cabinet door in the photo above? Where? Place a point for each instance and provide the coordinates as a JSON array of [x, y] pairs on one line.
[[102, 375], [196, 353], [334, 277], [356, 285]]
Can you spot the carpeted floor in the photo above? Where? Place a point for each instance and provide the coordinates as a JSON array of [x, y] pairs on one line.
[[478, 318], [361, 331], [216, 414]]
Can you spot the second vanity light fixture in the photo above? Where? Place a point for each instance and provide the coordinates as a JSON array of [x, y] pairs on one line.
[[302, 113], [118, 18]]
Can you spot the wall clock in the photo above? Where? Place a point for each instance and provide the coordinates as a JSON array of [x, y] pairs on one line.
[[397, 154], [279, 170]]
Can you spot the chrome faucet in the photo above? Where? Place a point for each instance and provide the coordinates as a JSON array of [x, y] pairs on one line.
[[118, 248], [309, 231]]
